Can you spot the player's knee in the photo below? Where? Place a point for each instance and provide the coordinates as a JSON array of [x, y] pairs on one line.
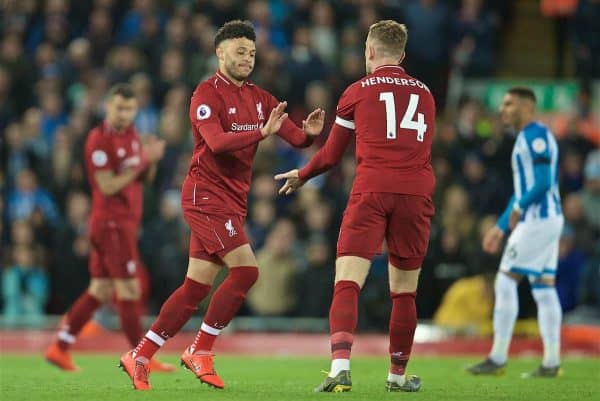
[[352, 268], [202, 271], [103, 296], [543, 281], [403, 281], [128, 290], [402, 287], [241, 256], [101, 290]]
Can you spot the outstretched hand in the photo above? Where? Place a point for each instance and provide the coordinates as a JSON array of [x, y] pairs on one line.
[[275, 120], [313, 125], [292, 183]]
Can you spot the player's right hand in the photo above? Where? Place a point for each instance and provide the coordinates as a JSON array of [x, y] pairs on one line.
[[492, 240], [292, 183], [275, 120]]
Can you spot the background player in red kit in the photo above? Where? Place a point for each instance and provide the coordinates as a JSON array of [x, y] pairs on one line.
[[392, 116], [117, 164], [229, 117]]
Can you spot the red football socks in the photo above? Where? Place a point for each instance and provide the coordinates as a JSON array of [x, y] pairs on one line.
[[175, 312], [343, 316], [403, 322], [225, 303], [81, 312], [130, 316]]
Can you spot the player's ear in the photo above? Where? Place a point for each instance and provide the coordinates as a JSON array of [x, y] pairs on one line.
[[371, 51], [402, 58], [219, 51], [107, 103]]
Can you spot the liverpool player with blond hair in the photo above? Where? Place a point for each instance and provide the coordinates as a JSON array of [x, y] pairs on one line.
[[391, 117]]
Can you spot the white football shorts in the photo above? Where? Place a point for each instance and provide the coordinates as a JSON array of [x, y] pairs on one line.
[[532, 248]]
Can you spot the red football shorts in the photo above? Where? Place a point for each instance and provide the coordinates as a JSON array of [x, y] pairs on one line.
[[213, 235], [403, 220], [114, 250]]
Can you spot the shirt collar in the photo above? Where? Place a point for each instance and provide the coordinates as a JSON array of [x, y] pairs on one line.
[[228, 83], [389, 66], [529, 125], [110, 130]]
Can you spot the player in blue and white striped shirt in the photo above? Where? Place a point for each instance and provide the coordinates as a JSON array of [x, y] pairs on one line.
[[534, 215]]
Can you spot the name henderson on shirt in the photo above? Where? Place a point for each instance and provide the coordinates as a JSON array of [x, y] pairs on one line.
[[390, 80]]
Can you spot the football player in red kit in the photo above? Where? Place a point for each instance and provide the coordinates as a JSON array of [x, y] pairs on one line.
[[117, 164], [229, 117], [391, 116]]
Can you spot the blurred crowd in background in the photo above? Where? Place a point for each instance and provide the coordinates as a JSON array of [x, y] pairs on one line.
[[58, 59]]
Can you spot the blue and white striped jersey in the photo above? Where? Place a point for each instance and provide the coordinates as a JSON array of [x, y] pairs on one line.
[[535, 173]]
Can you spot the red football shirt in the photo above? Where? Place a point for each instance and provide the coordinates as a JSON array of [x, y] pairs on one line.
[[226, 121], [107, 149], [393, 118]]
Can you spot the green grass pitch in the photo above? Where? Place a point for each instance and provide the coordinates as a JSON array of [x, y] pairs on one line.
[[29, 378]]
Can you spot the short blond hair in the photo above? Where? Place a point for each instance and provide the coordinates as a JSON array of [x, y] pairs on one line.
[[390, 35]]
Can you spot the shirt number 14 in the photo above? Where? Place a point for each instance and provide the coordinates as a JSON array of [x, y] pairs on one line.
[[407, 121]]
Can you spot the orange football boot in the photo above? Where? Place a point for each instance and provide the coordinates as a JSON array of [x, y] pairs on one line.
[[202, 366], [60, 358], [137, 369], [158, 366]]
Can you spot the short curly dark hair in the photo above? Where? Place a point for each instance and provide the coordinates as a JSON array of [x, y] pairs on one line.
[[122, 89], [235, 29], [523, 93]]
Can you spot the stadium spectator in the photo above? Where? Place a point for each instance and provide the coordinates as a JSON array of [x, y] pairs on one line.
[[71, 248], [428, 22], [53, 79], [574, 216], [586, 38], [474, 32], [560, 11], [466, 307], [27, 197], [314, 282], [24, 288], [571, 262], [591, 191], [161, 247], [274, 293]]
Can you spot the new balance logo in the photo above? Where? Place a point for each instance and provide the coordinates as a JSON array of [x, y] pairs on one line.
[[230, 228], [232, 110]]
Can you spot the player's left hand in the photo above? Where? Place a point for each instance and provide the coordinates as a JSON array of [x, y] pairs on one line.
[[515, 216], [292, 183], [313, 125]]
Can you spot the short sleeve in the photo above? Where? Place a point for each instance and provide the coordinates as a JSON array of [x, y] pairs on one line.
[[205, 107], [345, 109], [98, 154], [537, 141]]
